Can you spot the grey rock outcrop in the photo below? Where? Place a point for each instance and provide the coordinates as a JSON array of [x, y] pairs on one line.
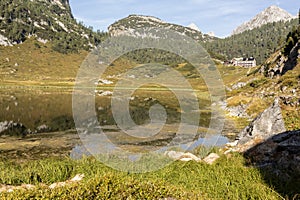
[[43, 128], [269, 123], [282, 63], [12, 128], [279, 155]]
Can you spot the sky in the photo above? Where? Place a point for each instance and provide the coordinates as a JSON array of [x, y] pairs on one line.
[[218, 16]]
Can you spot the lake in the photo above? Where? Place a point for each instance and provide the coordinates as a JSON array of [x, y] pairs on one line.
[[47, 112]]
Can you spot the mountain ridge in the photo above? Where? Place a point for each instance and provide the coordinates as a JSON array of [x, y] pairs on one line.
[[194, 26], [127, 25]]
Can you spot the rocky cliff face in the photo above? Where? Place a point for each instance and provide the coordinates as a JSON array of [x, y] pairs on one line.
[[132, 23], [286, 58], [283, 63], [264, 126], [269, 15], [48, 20]]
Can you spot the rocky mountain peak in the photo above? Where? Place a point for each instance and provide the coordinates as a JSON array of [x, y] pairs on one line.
[[146, 18], [61, 3], [194, 26], [132, 23], [269, 15]]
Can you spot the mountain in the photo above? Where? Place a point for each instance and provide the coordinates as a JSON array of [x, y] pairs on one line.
[[194, 26], [269, 15], [129, 25], [47, 20], [212, 34], [259, 42]]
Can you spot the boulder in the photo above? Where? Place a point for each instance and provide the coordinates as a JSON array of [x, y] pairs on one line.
[[12, 129], [182, 156], [43, 128], [211, 158], [279, 155], [267, 124]]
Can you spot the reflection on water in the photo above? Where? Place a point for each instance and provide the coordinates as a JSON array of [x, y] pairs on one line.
[[53, 108], [119, 143], [36, 107], [80, 151]]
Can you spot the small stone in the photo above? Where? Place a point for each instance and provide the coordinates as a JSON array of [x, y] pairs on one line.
[[185, 157], [232, 144]]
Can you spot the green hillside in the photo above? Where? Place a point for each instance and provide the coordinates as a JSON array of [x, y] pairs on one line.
[[47, 20]]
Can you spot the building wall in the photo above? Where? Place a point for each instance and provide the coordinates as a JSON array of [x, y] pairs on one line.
[[247, 63]]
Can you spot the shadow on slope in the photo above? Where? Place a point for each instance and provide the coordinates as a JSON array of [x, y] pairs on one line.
[[278, 159]]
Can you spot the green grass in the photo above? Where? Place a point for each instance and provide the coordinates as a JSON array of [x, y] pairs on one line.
[[35, 66], [229, 178]]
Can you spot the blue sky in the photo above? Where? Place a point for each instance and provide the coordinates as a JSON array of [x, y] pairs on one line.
[[219, 16]]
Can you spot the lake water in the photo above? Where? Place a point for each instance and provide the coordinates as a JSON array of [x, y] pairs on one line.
[[52, 108]]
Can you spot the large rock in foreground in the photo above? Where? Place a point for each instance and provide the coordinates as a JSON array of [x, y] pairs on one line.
[[279, 156], [269, 123]]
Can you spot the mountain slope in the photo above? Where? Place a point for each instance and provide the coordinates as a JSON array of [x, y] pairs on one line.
[[269, 15], [129, 25], [259, 42], [278, 77], [286, 58], [48, 20]]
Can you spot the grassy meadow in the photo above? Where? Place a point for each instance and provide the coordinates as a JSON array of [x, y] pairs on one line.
[[229, 178], [36, 90]]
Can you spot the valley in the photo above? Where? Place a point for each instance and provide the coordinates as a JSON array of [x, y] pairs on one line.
[[134, 124]]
